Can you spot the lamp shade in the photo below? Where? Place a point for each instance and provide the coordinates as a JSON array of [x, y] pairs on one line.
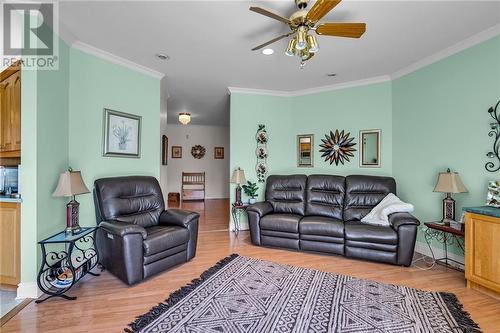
[[70, 184], [238, 176], [449, 182]]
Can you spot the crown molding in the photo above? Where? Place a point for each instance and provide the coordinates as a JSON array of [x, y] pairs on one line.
[[251, 91], [460, 46], [309, 91], [116, 59], [344, 85]]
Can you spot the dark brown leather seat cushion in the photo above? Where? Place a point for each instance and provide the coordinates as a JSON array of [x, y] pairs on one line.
[[163, 238], [281, 222], [323, 226], [362, 232]]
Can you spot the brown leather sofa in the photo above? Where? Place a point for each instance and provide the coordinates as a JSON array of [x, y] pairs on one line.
[[137, 237], [322, 213]]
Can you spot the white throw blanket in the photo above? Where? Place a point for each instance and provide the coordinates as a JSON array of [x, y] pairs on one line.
[[390, 204]]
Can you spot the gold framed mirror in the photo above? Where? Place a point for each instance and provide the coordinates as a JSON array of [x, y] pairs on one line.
[[369, 154], [305, 149]]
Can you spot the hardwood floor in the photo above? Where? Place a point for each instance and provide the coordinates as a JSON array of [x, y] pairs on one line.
[[107, 305]]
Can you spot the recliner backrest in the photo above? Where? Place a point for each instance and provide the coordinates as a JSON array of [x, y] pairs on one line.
[[365, 192], [287, 193], [325, 195], [133, 199]]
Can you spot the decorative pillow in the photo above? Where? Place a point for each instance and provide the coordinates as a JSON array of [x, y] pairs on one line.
[[389, 205]]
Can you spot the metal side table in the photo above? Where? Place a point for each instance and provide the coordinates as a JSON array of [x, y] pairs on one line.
[[447, 236], [236, 211], [66, 258]]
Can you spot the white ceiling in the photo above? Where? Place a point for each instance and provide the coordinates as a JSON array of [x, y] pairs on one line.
[[209, 43]]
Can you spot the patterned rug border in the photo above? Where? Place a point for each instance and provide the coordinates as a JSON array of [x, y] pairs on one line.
[[145, 319], [455, 307]]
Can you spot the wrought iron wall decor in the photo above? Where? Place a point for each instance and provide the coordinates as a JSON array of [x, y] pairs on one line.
[[261, 152], [337, 147], [198, 151], [494, 132]]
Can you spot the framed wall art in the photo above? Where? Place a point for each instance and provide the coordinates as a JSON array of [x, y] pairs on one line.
[[121, 134], [219, 153], [176, 152]]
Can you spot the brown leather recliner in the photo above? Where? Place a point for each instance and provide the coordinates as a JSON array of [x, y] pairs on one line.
[[137, 237], [322, 213]]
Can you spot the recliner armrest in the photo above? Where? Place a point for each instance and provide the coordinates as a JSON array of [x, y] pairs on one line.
[[122, 228], [398, 219], [178, 217], [261, 208]]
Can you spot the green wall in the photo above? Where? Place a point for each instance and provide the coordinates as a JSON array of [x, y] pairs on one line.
[[431, 119], [441, 121], [61, 117], [44, 147], [96, 84], [354, 109]]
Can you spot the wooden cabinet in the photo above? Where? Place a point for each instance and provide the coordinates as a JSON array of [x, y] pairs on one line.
[[10, 226], [482, 253], [10, 113]]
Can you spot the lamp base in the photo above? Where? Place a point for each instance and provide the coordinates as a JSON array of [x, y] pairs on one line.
[[238, 201], [72, 210], [448, 209]]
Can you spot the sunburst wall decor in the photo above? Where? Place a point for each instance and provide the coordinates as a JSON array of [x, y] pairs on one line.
[[337, 147]]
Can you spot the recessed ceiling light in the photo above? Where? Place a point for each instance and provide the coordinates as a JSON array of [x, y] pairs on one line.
[[267, 51], [162, 56]]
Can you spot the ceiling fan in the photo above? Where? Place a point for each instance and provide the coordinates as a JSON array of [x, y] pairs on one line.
[[303, 44]]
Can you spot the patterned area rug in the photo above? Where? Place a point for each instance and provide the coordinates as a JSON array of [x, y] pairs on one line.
[[242, 294]]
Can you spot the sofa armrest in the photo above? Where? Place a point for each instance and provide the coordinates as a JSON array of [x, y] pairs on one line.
[[179, 217], [122, 228], [398, 219], [261, 208]]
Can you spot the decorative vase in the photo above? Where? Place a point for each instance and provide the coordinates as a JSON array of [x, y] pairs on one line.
[[251, 201]]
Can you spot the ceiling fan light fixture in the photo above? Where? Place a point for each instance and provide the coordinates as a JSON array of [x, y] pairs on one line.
[[312, 42], [184, 118], [301, 38], [290, 50]]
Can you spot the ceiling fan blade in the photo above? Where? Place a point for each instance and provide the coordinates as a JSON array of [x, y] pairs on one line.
[[270, 14], [320, 9], [350, 30], [272, 41]]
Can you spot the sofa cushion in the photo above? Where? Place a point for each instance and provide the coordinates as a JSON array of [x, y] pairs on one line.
[[325, 195], [287, 193], [320, 225], [365, 192], [281, 222], [361, 232], [163, 238]]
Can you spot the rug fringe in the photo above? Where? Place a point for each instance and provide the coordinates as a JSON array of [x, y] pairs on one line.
[[462, 317], [176, 296]]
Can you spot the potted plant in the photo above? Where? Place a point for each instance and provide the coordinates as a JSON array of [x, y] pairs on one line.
[[250, 189]]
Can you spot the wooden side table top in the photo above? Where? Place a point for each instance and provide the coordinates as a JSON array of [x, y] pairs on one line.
[[444, 228]]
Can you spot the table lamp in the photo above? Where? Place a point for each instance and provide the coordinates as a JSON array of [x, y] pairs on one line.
[[449, 182], [70, 184], [238, 178]]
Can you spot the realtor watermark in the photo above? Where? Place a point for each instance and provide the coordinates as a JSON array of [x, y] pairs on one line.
[[30, 35]]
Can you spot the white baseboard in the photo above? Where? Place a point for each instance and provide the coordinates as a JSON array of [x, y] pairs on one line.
[[422, 248], [28, 290]]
